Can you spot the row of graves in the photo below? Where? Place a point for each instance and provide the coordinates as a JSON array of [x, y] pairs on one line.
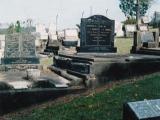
[[96, 61], [146, 41], [23, 81], [94, 64]]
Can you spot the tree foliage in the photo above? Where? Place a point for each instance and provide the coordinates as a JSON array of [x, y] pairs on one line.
[[18, 26], [14, 28], [129, 7], [11, 29]]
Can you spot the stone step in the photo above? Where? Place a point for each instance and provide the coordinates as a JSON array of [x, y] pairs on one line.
[[63, 73]]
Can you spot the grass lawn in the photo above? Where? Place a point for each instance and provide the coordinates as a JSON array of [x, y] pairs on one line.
[[106, 105]]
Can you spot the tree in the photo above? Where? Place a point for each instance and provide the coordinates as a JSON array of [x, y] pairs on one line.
[[11, 29], [129, 7], [18, 26], [14, 28]]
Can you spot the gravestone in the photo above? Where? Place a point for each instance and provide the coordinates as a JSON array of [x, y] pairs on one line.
[[52, 45], [96, 45], [97, 34], [146, 41], [142, 110], [20, 49]]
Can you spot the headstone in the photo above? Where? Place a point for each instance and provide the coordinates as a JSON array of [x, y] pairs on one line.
[[33, 74], [147, 37], [130, 28], [52, 45], [143, 28], [118, 29], [2, 45], [70, 37], [142, 110], [97, 34], [146, 41], [20, 49]]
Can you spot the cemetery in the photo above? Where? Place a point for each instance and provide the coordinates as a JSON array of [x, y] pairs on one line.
[[88, 72], [96, 56]]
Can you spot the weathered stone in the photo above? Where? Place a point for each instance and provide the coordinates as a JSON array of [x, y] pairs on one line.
[[146, 42], [142, 110], [33, 74], [20, 49]]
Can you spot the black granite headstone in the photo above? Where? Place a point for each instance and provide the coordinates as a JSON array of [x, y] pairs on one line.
[[142, 110], [20, 49], [97, 34]]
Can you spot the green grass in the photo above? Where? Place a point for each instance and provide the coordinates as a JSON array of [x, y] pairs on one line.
[[106, 105], [123, 45]]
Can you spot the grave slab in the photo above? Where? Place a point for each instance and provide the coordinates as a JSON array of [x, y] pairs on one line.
[[142, 110], [106, 67]]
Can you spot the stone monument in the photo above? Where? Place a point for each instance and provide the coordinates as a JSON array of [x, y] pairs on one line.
[[20, 49], [96, 46], [52, 45], [97, 34], [146, 41], [96, 61]]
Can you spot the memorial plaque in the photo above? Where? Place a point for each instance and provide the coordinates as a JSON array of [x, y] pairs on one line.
[[20, 49], [28, 46], [142, 110], [12, 46], [97, 34]]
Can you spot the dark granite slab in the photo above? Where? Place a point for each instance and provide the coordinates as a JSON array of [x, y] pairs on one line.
[[97, 34]]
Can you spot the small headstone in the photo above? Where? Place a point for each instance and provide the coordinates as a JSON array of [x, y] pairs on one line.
[[142, 110], [20, 49], [130, 28], [97, 34], [33, 74], [143, 28], [2, 46], [147, 37]]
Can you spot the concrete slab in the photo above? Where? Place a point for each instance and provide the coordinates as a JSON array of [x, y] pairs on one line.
[[102, 68], [20, 84], [18, 79]]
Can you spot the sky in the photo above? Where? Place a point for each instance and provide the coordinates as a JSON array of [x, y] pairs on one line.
[[69, 11]]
